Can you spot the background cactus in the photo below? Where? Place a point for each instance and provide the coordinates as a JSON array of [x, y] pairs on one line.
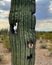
[[22, 12]]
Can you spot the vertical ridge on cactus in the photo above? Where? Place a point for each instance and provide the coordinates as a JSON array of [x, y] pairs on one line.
[[22, 36]]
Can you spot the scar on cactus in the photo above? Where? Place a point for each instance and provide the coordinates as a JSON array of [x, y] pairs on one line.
[[30, 44]]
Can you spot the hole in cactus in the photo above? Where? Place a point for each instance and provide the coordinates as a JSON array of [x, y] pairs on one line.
[[13, 26], [29, 57]]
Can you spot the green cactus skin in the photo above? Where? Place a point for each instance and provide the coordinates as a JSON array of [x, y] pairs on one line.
[[22, 11]]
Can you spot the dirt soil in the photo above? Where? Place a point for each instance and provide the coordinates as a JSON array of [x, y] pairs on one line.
[[6, 55], [42, 56]]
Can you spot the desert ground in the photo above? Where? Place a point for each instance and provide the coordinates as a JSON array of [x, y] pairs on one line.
[[42, 55]]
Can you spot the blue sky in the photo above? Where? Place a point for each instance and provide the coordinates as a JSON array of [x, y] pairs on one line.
[[43, 14], [44, 8]]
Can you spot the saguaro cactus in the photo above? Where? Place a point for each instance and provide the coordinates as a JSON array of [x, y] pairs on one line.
[[22, 31]]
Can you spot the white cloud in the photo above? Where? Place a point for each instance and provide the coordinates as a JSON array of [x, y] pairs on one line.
[[36, 0], [2, 2], [4, 24], [4, 8], [4, 14], [1, 11], [50, 10], [44, 25], [7, 0], [50, 7]]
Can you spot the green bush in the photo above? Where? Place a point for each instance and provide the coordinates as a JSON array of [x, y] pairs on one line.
[[44, 35], [1, 57], [6, 43], [1, 37]]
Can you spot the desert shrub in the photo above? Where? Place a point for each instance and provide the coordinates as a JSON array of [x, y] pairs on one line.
[[44, 35], [1, 58], [43, 46], [1, 37], [49, 47], [7, 43]]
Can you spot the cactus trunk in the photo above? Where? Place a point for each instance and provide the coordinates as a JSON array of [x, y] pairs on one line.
[[23, 41]]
